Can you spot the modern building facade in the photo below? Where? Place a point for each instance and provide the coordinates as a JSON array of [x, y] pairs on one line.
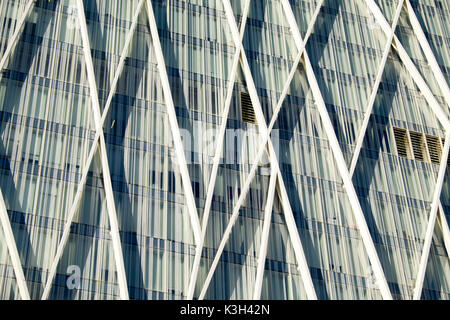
[[217, 149]]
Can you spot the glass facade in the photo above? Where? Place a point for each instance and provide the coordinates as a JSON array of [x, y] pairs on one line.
[[165, 149]]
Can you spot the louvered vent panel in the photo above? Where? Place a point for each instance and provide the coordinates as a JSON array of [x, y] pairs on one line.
[[248, 114], [434, 149], [401, 140], [418, 145]]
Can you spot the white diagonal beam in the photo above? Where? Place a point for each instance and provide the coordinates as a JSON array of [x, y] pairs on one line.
[[265, 132], [82, 182], [4, 219], [428, 53], [17, 32], [442, 218], [443, 119], [111, 208], [373, 95], [444, 226], [179, 149], [219, 148], [67, 225], [445, 229], [12, 249], [432, 219], [409, 64], [437, 72], [265, 235], [340, 161]]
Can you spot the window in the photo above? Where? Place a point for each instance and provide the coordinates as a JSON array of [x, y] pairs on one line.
[[434, 148], [196, 189], [448, 158], [418, 145], [248, 114], [213, 101], [402, 143], [193, 97], [171, 182]]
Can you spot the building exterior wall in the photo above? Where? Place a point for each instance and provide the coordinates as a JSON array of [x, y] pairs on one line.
[[54, 117]]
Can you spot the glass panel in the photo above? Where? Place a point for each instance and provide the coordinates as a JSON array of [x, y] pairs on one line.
[[333, 246], [412, 46], [148, 190], [387, 7], [346, 52], [10, 12], [87, 267], [282, 280], [394, 192], [433, 18], [45, 133], [108, 23], [437, 276], [270, 50], [9, 289], [303, 12], [235, 274]]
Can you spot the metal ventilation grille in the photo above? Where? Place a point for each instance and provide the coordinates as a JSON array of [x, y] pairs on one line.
[[401, 140], [248, 114], [418, 145], [434, 149]]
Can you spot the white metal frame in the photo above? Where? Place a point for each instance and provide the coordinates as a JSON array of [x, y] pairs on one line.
[[179, 149], [409, 64], [111, 207], [437, 72], [373, 95], [270, 196], [199, 230], [340, 162], [265, 133], [82, 182], [432, 219], [444, 226], [17, 32], [428, 53], [12, 249], [4, 219], [440, 114], [265, 235], [220, 139]]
